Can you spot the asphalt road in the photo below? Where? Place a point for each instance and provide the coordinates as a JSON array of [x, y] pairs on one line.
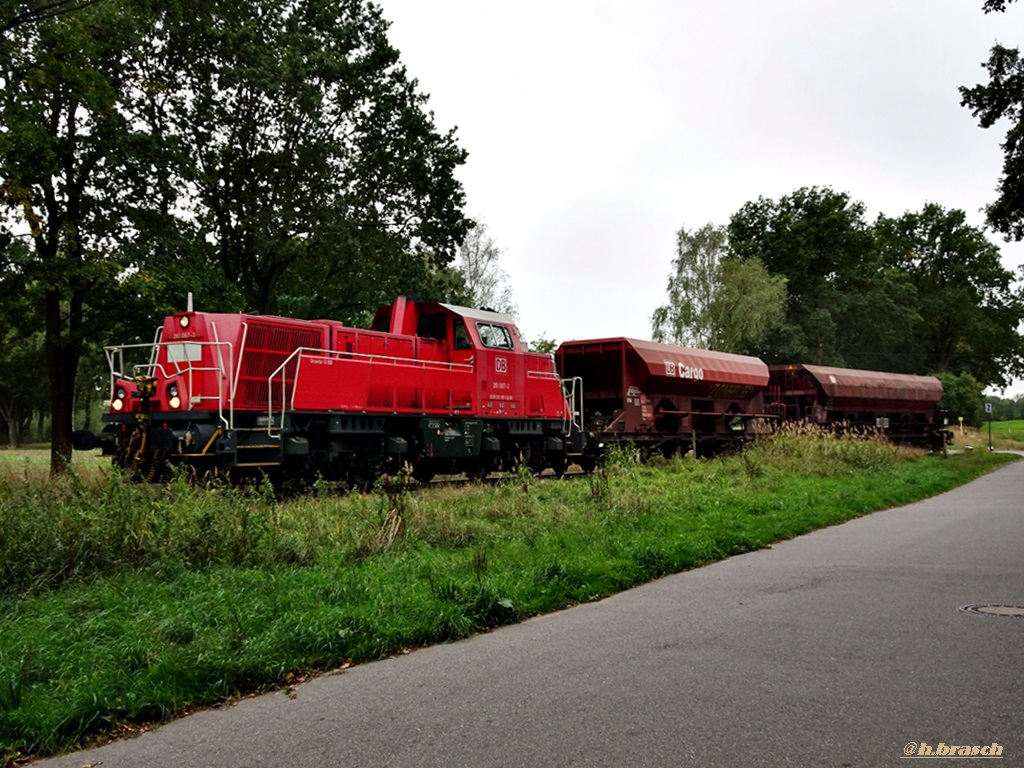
[[838, 648]]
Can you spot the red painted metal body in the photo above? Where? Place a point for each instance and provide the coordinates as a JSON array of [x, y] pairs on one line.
[[665, 397], [253, 363], [429, 381], [904, 406]]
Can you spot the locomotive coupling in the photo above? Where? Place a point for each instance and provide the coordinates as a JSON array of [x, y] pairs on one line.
[[145, 387]]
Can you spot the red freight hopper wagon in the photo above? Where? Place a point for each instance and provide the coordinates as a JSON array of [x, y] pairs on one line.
[[440, 387], [663, 398], [902, 406]]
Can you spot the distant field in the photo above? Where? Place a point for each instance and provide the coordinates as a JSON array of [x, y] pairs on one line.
[[1006, 436], [35, 462], [1014, 430]]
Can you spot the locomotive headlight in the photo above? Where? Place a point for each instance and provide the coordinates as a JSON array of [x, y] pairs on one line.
[[184, 321], [172, 393], [117, 403]]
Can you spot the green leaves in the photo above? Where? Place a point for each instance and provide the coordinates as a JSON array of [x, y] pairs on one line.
[[818, 241], [966, 301], [309, 150], [716, 300], [806, 279], [1003, 98]]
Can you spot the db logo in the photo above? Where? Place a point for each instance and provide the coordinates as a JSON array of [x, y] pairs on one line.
[[501, 365]]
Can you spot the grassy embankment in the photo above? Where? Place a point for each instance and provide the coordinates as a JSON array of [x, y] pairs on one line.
[[125, 604]]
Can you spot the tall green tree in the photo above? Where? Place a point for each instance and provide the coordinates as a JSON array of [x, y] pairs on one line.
[[962, 397], [844, 307], [308, 152], [1002, 99], [715, 300], [66, 140], [748, 306], [686, 317], [969, 306]]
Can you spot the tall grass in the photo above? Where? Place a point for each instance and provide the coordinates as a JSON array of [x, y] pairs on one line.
[[125, 603]]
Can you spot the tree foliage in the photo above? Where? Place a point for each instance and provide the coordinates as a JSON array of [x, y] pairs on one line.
[[486, 283], [962, 396], [968, 306], [25, 13], [715, 300], [1002, 99], [844, 306], [308, 147], [996, 5], [749, 304], [686, 318]]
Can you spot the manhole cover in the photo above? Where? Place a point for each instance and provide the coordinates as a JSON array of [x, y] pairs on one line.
[[1015, 611]]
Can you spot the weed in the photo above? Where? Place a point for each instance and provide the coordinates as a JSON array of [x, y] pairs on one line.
[[599, 485]]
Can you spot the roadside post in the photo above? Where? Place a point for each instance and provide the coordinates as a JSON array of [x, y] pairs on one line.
[[988, 410]]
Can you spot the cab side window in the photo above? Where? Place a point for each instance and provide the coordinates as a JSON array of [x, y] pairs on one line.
[[494, 336], [431, 327], [460, 335]]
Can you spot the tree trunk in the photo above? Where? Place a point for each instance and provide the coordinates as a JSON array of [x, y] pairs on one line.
[[62, 352]]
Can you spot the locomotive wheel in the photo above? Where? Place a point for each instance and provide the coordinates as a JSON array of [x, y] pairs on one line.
[[361, 481], [478, 471], [423, 472]]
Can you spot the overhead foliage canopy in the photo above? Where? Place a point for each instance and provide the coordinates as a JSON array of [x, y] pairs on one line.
[[845, 306], [270, 155], [968, 305], [921, 293], [303, 143]]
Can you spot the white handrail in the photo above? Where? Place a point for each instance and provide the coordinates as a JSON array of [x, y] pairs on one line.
[[115, 361], [230, 421], [574, 396], [408, 362]]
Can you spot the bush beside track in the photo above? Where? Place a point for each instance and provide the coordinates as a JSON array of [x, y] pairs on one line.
[[128, 604]]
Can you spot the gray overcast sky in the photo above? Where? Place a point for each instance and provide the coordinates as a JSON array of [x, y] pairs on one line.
[[597, 128]]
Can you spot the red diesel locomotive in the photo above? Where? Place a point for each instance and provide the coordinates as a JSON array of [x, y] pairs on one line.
[[438, 387]]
